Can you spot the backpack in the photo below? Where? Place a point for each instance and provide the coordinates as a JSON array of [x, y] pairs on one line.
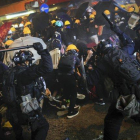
[[56, 40], [67, 63], [123, 65]]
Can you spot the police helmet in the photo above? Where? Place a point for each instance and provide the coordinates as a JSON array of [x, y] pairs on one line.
[[22, 56], [103, 46]]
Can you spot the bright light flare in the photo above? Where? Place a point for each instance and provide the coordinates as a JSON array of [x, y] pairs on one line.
[[18, 15]]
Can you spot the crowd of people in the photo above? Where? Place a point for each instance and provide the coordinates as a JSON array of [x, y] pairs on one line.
[[90, 55]]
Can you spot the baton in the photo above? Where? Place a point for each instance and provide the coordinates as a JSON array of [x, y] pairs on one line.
[[104, 15], [17, 48]]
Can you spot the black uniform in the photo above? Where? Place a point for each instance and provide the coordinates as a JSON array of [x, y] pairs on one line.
[[25, 85], [114, 118]]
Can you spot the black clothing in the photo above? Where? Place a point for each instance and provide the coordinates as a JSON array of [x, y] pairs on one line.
[[70, 36], [70, 91], [81, 32], [36, 71], [114, 118], [3, 68], [68, 82], [67, 59], [112, 123], [48, 33], [92, 29], [2, 137], [25, 79]]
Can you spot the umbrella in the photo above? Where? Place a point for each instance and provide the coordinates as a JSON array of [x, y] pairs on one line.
[[23, 41], [64, 10], [31, 16], [72, 12], [74, 3], [77, 3], [64, 17], [101, 7], [81, 10], [40, 21]]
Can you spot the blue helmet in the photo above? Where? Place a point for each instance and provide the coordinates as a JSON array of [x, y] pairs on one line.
[[62, 24], [59, 23]]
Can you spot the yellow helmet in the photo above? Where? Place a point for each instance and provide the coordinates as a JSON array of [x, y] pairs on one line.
[[94, 13], [53, 21], [13, 29], [123, 6], [107, 12], [26, 30], [27, 23], [7, 125], [72, 47], [116, 8], [77, 21], [9, 42], [131, 9], [91, 16], [67, 23]]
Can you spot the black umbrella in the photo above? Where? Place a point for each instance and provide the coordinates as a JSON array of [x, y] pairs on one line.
[[72, 12], [81, 10], [74, 3], [101, 7], [77, 3], [64, 10], [40, 21]]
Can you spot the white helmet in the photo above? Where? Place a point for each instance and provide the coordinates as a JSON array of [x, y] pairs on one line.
[[89, 9], [21, 25]]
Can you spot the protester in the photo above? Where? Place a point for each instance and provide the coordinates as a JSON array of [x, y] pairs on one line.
[[67, 66], [93, 30], [58, 36], [69, 33]]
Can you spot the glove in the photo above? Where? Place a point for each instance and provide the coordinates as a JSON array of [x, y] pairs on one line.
[[38, 47], [115, 29]]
